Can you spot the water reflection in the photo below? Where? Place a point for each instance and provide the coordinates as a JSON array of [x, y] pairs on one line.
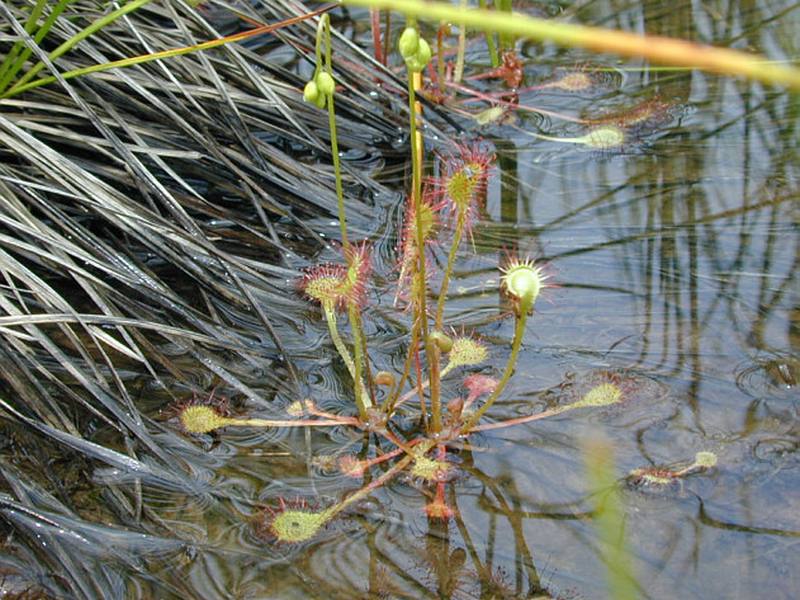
[[680, 261], [677, 262]]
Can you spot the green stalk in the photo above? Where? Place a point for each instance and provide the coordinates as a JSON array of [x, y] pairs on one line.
[[525, 305], [79, 37], [506, 41], [330, 318], [363, 399], [7, 72], [324, 27], [451, 259], [40, 35], [494, 57]]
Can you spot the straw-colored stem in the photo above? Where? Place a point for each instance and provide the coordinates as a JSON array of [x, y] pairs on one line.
[[434, 357], [313, 410], [462, 45], [411, 393], [447, 368], [414, 82], [358, 328], [525, 304]]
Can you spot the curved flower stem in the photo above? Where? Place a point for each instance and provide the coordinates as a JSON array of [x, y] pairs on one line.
[[330, 317], [451, 259], [525, 305], [410, 394], [324, 30]]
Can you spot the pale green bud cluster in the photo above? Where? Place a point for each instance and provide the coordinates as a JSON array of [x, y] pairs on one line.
[[414, 50], [319, 88]]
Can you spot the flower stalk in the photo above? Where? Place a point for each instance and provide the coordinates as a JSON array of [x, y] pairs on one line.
[[324, 33]]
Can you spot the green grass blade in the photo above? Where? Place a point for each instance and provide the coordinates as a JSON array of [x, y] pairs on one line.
[[8, 76], [145, 58], [79, 37], [30, 24]]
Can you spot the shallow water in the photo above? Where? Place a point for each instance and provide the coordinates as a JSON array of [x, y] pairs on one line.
[[673, 272], [675, 267]]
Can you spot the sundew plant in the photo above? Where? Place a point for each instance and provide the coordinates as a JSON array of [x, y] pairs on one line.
[[168, 258], [411, 426]]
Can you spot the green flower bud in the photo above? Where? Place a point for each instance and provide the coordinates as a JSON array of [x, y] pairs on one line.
[[320, 101], [409, 43], [325, 83], [310, 92], [414, 65], [423, 54]]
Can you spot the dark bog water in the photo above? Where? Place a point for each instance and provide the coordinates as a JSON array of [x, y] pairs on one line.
[[673, 263]]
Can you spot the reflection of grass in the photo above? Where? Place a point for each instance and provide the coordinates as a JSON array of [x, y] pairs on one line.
[[610, 522]]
